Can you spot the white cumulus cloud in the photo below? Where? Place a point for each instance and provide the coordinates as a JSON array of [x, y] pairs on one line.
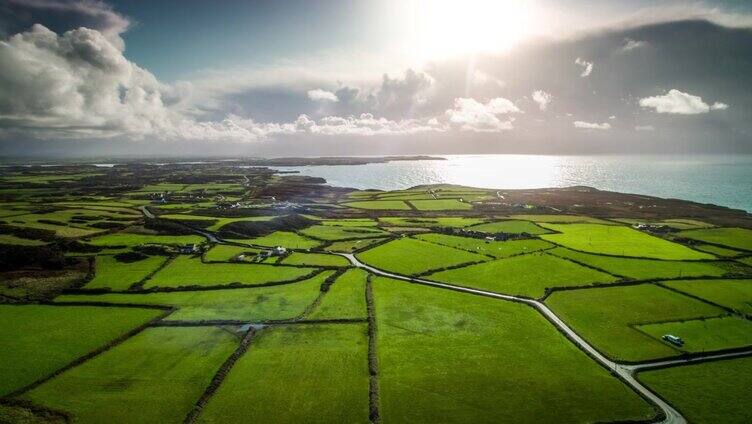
[[679, 102], [542, 98], [587, 67], [319, 95], [592, 125], [469, 114], [630, 44]]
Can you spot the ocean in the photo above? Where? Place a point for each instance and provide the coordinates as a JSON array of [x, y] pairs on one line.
[[721, 180]]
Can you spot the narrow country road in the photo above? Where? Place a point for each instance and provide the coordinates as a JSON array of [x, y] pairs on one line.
[[672, 416]]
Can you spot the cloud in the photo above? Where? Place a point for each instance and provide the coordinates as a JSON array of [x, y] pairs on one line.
[[319, 95], [542, 99], [680, 103], [470, 115], [587, 67], [612, 117], [644, 128], [91, 14], [592, 125], [630, 44]]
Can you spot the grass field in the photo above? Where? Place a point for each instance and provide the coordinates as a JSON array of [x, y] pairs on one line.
[[132, 239], [510, 226], [333, 232], [225, 252], [721, 252], [456, 358], [641, 269], [301, 373], [117, 275], [379, 205], [11, 239], [739, 238], [733, 294], [286, 239], [618, 240], [315, 259], [410, 256], [349, 246], [36, 340], [709, 393], [188, 271], [355, 222], [704, 335], [562, 219], [527, 275], [155, 376], [448, 221], [441, 205], [497, 249], [217, 222], [345, 298], [605, 317], [253, 304]]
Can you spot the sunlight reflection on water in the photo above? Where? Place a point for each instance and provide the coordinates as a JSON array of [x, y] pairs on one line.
[[724, 180]]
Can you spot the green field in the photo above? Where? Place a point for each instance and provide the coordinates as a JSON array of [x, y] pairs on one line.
[[350, 246], [286, 239], [733, 294], [345, 298], [527, 275], [225, 252], [717, 250], [215, 222], [333, 232], [441, 205], [156, 376], [562, 219], [253, 304], [188, 271], [641, 269], [497, 249], [605, 317], [739, 238], [379, 205], [618, 240], [704, 335], [409, 256], [355, 222], [509, 226], [11, 239], [315, 259], [296, 374], [116, 275], [447, 221], [708, 393], [456, 358], [132, 239], [36, 340]]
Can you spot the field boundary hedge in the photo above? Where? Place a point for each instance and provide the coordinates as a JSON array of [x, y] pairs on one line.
[[219, 377], [373, 361]]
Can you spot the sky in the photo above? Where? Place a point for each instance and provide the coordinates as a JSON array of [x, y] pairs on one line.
[[335, 77]]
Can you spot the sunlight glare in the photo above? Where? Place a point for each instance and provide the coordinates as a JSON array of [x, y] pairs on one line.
[[448, 28]]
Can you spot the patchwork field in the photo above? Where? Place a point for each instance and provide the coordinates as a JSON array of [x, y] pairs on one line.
[[713, 392], [617, 240], [606, 317], [410, 256], [155, 376], [285, 366], [188, 271], [36, 340], [494, 359], [109, 314], [526, 275]]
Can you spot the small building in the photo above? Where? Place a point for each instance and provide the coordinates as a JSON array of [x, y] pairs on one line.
[[674, 340], [276, 251], [188, 249]]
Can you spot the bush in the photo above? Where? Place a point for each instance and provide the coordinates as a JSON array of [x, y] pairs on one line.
[[169, 228], [15, 257], [130, 257]]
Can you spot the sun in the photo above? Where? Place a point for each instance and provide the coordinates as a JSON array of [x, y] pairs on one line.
[[448, 28]]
